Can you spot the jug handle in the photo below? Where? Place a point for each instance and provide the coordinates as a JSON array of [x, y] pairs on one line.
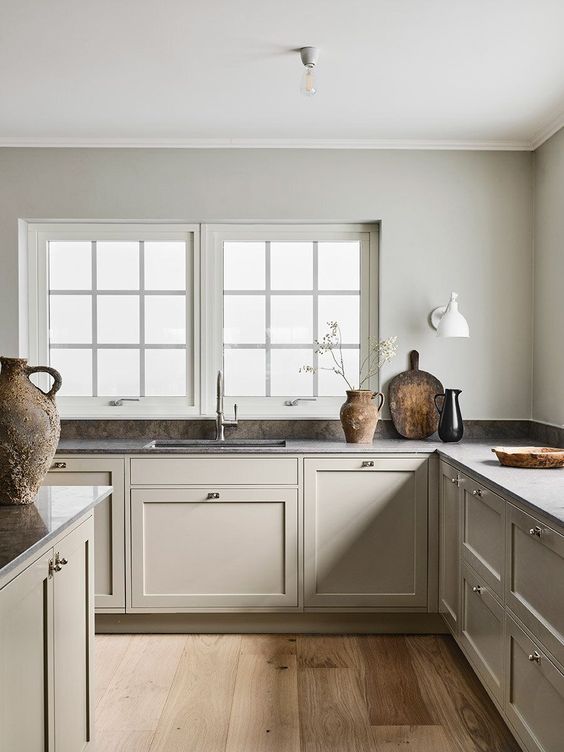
[[57, 380], [435, 399], [381, 399]]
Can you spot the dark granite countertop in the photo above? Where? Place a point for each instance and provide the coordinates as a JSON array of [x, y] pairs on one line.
[[25, 530], [541, 490]]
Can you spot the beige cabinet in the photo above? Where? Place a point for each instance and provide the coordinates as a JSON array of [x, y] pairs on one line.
[[483, 533], [214, 548], [46, 640], [535, 582], [26, 660], [481, 632], [450, 481], [109, 520], [365, 532], [535, 692]]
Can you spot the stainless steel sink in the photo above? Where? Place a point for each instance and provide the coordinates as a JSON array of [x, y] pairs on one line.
[[228, 443]]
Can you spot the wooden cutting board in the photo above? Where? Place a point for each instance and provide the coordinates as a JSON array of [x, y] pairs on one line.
[[411, 398]]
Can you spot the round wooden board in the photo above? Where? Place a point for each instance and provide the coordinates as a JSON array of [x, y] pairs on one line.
[[411, 396]]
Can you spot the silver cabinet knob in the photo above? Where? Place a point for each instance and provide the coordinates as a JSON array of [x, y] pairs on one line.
[[478, 492], [536, 532], [368, 463], [477, 589], [213, 495], [456, 480], [60, 562], [58, 466], [535, 657]]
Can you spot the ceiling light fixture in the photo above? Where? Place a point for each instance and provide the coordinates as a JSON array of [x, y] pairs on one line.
[[309, 56]]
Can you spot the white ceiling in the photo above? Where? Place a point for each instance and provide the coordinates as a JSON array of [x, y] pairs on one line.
[[474, 73]]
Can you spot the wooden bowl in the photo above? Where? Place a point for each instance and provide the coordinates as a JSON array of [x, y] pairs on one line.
[[531, 457]]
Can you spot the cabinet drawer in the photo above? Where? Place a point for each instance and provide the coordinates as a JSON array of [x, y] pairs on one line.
[[483, 533], [198, 549], [535, 697], [181, 471], [482, 630], [535, 582]]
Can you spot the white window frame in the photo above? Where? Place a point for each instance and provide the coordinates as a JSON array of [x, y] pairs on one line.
[[212, 238], [38, 236]]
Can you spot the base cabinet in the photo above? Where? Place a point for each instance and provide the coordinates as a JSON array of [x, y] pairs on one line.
[[46, 640], [202, 549], [109, 521], [365, 533], [535, 692]]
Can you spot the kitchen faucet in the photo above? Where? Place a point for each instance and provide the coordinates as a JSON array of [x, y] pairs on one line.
[[220, 421]]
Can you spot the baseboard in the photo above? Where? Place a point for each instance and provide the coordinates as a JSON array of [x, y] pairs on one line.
[[334, 623]]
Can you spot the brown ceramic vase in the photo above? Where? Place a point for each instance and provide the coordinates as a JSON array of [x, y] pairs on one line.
[[360, 414], [29, 430]]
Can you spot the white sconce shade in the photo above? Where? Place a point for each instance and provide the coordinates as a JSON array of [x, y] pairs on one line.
[[448, 321]]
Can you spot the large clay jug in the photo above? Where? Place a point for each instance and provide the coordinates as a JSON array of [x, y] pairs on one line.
[[360, 414], [29, 430]]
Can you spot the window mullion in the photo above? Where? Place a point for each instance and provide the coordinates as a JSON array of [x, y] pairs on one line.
[[94, 319], [267, 336], [141, 318]]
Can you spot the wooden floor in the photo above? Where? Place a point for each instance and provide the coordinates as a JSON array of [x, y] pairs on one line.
[[272, 693]]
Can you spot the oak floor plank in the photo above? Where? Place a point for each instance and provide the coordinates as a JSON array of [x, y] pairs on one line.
[[109, 651], [333, 712], [392, 692], [411, 739], [461, 704], [196, 715], [329, 651], [136, 695], [264, 714], [124, 741]]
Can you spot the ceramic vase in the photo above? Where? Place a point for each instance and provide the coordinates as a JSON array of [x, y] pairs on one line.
[[360, 414], [29, 430], [451, 426]]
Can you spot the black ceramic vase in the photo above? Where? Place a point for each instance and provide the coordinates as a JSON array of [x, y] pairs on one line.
[[451, 427]]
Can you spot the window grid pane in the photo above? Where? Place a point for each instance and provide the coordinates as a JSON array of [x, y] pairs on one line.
[[268, 346], [99, 353]]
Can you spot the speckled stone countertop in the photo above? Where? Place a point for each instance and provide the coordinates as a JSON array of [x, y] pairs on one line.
[[25, 530], [541, 490]]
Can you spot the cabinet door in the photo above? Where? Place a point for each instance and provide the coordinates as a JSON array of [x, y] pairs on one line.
[[535, 582], [73, 630], [365, 532], [535, 698], [26, 674], [214, 548], [449, 545], [483, 533], [481, 631], [109, 521]]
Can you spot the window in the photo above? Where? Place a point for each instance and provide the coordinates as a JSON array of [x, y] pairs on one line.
[[274, 290], [125, 312], [115, 314]]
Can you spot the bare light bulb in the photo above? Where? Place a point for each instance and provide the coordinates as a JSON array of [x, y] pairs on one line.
[[309, 56], [309, 88]]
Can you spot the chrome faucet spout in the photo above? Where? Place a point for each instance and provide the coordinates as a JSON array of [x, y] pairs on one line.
[[220, 421]]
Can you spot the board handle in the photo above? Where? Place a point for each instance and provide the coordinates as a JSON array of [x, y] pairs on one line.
[[414, 360]]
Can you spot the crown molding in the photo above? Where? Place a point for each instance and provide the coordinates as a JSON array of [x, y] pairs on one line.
[[260, 143], [552, 127]]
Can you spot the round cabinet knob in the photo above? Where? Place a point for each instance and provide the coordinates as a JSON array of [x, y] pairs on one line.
[[58, 466], [368, 463], [213, 495], [478, 492], [535, 531], [477, 589], [535, 657], [63, 561]]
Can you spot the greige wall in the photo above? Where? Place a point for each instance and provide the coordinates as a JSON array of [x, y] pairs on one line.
[[548, 360], [450, 221]]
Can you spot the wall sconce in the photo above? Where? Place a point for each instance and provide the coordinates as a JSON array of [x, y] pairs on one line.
[[448, 321]]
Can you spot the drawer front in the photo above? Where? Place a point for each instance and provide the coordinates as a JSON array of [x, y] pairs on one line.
[[202, 549], [182, 471], [482, 630], [535, 693], [483, 533], [535, 582], [449, 546], [109, 521]]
